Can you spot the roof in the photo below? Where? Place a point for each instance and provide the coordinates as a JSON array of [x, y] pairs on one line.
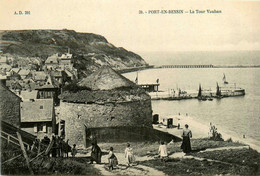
[[27, 95], [3, 60], [105, 79], [50, 84], [16, 70], [103, 86], [14, 85], [40, 110], [66, 56], [40, 76], [68, 73], [6, 94], [105, 96], [56, 73], [52, 59], [24, 72]]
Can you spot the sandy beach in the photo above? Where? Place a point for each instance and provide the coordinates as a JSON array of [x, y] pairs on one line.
[[200, 130]]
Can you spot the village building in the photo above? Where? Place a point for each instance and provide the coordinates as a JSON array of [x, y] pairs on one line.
[[14, 75], [3, 60], [50, 90], [9, 105], [39, 77], [59, 75], [15, 70], [105, 105], [14, 86], [65, 61], [52, 62], [25, 73], [28, 95], [38, 117]]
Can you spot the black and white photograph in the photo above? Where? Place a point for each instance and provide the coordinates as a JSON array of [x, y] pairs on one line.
[[112, 87]]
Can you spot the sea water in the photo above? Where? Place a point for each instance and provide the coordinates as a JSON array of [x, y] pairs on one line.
[[236, 116]]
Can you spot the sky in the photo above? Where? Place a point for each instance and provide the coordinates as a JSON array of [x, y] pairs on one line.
[[237, 27]]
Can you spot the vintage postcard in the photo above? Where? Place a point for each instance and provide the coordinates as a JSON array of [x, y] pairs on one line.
[[110, 87]]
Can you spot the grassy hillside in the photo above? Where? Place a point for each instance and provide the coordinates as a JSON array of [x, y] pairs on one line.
[[90, 50]]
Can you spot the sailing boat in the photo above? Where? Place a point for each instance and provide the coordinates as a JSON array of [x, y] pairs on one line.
[[218, 92], [200, 91], [224, 79], [200, 97]]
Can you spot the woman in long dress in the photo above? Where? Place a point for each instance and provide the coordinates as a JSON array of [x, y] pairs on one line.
[[185, 146], [129, 155], [96, 153]]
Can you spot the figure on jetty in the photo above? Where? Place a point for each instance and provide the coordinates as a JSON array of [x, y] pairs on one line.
[[185, 146], [129, 155], [112, 159], [95, 153]]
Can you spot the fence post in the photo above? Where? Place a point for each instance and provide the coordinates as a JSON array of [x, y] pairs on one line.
[[24, 152], [8, 139]]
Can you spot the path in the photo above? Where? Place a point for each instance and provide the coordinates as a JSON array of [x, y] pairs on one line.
[[137, 169], [123, 169]]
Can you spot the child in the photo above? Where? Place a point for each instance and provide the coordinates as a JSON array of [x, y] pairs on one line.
[[129, 154], [112, 160], [73, 150], [163, 151]]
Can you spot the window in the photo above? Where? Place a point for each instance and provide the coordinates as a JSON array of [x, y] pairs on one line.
[[40, 127], [41, 107]]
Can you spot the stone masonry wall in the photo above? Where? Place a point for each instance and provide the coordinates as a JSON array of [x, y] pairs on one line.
[[77, 116]]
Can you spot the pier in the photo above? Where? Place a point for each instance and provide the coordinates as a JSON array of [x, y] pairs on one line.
[[186, 66], [207, 66]]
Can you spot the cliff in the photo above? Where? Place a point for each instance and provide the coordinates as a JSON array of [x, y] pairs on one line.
[[90, 51]]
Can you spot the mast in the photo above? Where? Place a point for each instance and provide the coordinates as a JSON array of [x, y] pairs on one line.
[[199, 93], [224, 79], [218, 92]]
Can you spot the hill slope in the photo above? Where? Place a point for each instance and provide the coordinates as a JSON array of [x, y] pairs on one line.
[[90, 50]]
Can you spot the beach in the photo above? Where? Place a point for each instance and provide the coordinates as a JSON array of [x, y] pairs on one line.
[[200, 130]]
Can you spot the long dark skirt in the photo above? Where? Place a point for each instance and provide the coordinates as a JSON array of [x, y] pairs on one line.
[[96, 156], [185, 146]]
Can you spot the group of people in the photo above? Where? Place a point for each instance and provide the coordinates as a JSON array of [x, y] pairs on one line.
[[96, 155], [59, 148], [185, 146], [213, 133], [96, 152]]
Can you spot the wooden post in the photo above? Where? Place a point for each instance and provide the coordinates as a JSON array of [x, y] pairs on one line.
[[39, 148], [49, 147], [24, 152], [8, 139]]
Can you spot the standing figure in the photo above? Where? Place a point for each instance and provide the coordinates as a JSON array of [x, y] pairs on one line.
[[54, 147], [96, 153], [66, 148], [163, 151], [112, 160], [185, 146], [129, 154], [74, 151]]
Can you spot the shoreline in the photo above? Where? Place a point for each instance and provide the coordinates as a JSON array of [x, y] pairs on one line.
[[200, 130]]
